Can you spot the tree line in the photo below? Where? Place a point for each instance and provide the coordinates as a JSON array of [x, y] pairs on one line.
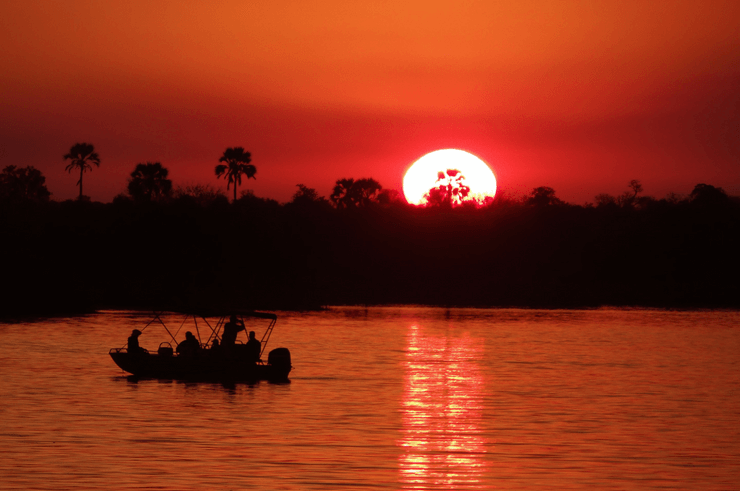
[[149, 181], [191, 247]]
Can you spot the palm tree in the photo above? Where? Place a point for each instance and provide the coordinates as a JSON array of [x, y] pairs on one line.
[[237, 163], [449, 190], [149, 182], [81, 156]]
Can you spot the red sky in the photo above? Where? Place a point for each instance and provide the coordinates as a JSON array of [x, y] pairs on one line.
[[579, 96]]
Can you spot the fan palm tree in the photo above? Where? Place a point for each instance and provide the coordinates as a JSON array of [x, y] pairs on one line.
[[81, 156], [449, 190], [237, 163], [149, 182]]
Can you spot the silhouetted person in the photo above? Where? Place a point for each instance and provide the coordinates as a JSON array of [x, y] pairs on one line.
[[231, 329], [190, 346], [133, 343], [215, 346], [253, 348]]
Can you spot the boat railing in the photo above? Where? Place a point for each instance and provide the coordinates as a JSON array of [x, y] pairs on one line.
[[125, 350]]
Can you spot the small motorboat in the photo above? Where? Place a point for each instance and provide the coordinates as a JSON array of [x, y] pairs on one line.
[[210, 360]]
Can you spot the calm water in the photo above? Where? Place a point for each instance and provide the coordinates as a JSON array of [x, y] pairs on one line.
[[387, 398]]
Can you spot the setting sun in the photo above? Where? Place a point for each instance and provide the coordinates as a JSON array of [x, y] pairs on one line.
[[432, 169]]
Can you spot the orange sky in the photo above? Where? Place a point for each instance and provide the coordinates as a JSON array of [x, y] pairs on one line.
[[579, 96]]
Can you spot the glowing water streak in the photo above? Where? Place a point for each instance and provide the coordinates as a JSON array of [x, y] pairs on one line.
[[442, 413]]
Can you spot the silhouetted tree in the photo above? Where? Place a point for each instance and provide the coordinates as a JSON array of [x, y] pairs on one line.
[[306, 195], [237, 163], [149, 182], [449, 189], [81, 156], [341, 196], [604, 199], [708, 195], [629, 198], [23, 184], [543, 196], [366, 191], [349, 193]]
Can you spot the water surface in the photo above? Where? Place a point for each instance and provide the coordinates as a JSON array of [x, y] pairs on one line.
[[386, 398]]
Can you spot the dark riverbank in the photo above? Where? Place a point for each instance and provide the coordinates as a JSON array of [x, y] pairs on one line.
[[255, 253]]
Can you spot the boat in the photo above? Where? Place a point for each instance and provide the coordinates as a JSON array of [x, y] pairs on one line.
[[210, 361]]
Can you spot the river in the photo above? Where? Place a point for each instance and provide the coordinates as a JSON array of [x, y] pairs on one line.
[[406, 398]]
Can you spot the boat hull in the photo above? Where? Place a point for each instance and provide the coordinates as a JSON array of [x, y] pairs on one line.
[[206, 365]]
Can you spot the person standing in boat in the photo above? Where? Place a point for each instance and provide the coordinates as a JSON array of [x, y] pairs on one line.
[[133, 343], [231, 329], [254, 348]]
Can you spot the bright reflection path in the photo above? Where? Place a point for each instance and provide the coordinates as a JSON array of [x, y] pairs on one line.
[[386, 399], [442, 413]]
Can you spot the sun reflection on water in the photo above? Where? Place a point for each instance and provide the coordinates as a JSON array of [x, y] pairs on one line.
[[443, 443]]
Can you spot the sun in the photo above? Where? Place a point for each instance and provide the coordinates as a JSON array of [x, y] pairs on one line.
[[424, 175]]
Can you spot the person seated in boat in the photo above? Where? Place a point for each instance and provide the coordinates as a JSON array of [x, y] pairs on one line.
[[231, 329], [253, 348], [133, 343], [190, 346]]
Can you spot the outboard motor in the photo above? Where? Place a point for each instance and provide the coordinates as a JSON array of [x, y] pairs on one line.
[[279, 361]]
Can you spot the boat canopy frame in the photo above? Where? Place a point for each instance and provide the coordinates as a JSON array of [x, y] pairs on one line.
[[222, 319]]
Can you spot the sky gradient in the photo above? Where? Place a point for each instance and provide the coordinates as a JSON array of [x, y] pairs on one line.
[[579, 96]]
